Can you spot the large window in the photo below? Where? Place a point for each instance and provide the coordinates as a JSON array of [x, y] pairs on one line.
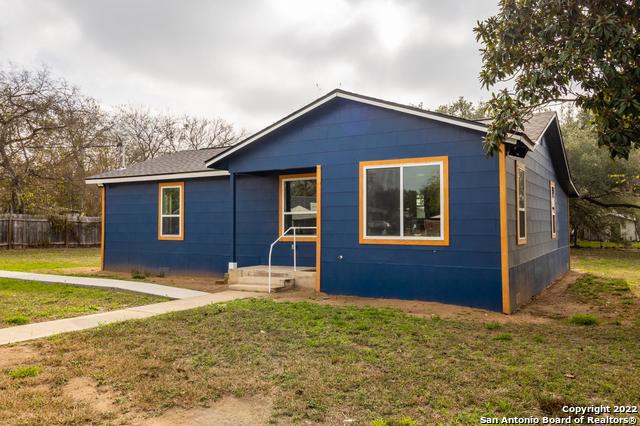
[[521, 203], [404, 201], [298, 205], [171, 211], [554, 219]]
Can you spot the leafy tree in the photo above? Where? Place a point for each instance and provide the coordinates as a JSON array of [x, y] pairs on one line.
[[464, 108], [581, 51], [605, 186]]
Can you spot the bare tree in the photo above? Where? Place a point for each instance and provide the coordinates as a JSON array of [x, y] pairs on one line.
[[30, 112], [199, 133]]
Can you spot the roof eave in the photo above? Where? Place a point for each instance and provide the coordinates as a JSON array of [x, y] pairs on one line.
[[156, 177], [337, 93]]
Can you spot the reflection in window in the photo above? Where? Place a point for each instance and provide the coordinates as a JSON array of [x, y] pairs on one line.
[[521, 200], [404, 201], [171, 210], [299, 207]]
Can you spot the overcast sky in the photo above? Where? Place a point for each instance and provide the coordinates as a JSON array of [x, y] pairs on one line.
[[250, 62]]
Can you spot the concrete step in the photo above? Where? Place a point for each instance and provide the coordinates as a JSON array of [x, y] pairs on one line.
[[260, 288], [262, 280]]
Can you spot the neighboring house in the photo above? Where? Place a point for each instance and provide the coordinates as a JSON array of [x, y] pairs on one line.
[[620, 227], [395, 202]]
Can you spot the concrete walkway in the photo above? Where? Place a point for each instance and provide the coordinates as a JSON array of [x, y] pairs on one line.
[[137, 286], [43, 329]]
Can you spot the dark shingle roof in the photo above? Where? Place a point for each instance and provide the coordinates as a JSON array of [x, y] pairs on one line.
[[533, 127], [178, 162]]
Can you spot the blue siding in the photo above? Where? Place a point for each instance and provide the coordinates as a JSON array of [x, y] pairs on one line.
[[542, 260], [131, 229], [257, 225], [338, 136]]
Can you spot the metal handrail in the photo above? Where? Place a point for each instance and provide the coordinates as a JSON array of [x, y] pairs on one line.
[[294, 228]]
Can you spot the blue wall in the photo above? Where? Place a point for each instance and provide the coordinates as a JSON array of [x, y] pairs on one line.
[[131, 229], [536, 264], [338, 136], [257, 224]]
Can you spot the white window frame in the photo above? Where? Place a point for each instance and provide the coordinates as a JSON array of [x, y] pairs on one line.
[[521, 166], [179, 215], [401, 166], [554, 213], [283, 183]]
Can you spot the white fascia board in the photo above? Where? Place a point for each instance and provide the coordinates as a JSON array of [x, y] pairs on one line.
[[191, 175], [270, 129], [512, 139]]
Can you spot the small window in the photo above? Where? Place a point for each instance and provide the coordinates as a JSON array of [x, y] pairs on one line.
[[298, 205], [171, 211], [521, 203], [554, 220], [404, 201]]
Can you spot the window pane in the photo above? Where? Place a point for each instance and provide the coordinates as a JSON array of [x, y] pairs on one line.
[[170, 226], [383, 201], [521, 189], [300, 196], [171, 201], [522, 224], [304, 220], [421, 192]]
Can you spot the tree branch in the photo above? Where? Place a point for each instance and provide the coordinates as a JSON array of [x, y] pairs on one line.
[[610, 205]]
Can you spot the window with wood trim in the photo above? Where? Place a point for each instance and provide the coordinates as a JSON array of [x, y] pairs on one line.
[[297, 196], [554, 218], [521, 203], [171, 211], [404, 201]]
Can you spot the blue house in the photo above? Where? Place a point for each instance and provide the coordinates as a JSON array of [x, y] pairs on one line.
[[385, 200]]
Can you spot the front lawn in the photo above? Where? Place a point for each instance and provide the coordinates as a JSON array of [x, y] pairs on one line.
[[326, 364], [23, 302], [49, 260], [612, 263]]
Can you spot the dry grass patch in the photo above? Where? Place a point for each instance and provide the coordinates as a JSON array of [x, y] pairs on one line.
[[326, 364]]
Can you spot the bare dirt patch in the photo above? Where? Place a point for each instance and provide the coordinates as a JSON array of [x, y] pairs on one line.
[[556, 301], [16, 355], [428, 309], [192, 282], [228, 411], [85, 389]]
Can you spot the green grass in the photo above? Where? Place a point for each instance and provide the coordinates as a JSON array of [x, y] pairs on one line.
[[609, 263], [322, 364], [23, 302], [49, 260], [23, 372], [583, 319], [607, 244]]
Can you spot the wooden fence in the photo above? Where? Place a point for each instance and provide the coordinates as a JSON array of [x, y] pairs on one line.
[[22, 231]]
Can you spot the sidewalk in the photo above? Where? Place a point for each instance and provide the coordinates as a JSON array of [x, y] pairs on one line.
[[137, 286], [49, 328]]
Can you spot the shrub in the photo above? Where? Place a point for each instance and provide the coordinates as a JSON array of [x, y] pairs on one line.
[[137, 275], [22, 372], [583, 319], [17, 320]]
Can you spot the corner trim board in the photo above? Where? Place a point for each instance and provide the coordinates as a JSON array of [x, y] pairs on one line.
[[504, 231], [103, 197], [318, 225]]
